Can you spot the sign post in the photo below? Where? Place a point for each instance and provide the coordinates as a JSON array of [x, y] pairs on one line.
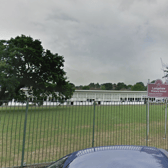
[[165, 118], [159, 90], [148, 116]]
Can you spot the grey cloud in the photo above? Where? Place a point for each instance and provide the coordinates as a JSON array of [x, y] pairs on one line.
[[125, 5], [60, 17], [101, 41]]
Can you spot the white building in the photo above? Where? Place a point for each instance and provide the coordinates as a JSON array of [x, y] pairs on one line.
[[100, 96], [108, 95]]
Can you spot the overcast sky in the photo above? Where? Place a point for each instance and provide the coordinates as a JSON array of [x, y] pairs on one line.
[[101, 40]]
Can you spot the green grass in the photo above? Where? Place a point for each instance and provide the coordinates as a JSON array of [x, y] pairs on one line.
[[52, 132]]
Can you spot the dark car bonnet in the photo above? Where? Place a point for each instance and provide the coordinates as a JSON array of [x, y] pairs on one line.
[[118, 157]]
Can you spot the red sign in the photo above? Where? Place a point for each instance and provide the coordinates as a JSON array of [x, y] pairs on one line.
[[157, 89]]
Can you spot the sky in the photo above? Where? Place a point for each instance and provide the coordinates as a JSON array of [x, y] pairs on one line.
[[102, 41]]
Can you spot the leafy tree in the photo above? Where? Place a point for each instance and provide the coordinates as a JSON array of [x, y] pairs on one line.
[[85, 87], [79, 87], [120, 86], [25, 64], [97, 86], [114, 86], [72, 85], [91, 86], [108, 86], [129, 87], [141, 83], [139, 86], [103, 87]]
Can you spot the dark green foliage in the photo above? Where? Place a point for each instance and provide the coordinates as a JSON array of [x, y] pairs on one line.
[[139, 86], [25, 64], [97, 86], [91, 85], [79, 87], [85, 87], [107, 86], [153, 81], [103, 87], [72, 85], [120, 86], [129, 87]]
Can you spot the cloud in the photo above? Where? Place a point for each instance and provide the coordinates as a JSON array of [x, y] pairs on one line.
[[101, 41]]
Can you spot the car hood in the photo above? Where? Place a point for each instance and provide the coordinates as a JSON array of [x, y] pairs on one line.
[[118, 157]]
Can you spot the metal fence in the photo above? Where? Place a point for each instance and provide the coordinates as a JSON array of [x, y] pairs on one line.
[[32, 134]]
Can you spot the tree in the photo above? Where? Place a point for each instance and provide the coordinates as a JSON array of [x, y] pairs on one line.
[[25, 64], [97, 86], [79, 87], [91, 86], [139, 86], [73, 86], [85, 87], [120, 85], [129, 87], [103, 87], [107, 86]]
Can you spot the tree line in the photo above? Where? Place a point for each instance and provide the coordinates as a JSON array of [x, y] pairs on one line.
[[139, 86]]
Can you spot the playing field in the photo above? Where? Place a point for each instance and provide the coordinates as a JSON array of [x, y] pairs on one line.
[[54, 131]]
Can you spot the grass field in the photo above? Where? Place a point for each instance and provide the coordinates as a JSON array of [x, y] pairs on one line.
[[54, 131]]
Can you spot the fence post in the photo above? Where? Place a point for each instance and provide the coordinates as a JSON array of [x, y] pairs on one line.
[[146, 123], [165, 117], [148, 117], [93, 124], [24, 133]]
